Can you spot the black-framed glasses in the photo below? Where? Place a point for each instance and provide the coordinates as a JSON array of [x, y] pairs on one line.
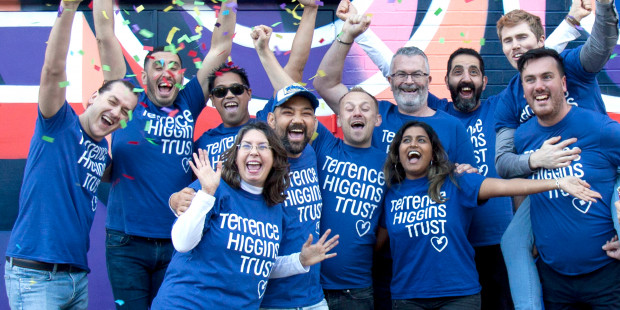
[[247, 147], [418, 75], [235, 89]]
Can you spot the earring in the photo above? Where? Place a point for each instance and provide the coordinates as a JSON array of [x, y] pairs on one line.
[[431, 162]]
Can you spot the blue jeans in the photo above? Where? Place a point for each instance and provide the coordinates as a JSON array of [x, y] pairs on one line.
[[136, 268], [350, 299], [322, 305], [471, 302], [37, 289], [517, 244]]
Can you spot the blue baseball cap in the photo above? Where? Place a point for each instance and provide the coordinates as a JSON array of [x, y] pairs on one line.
[[286, 93]]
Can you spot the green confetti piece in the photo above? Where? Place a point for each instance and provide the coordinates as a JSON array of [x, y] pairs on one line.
[[105, 68], [194, 38], [179, 86], [147, 126], [198, 64], [482, 41], [63, 84], [170, 48], [275, 24], [442, 40], [92, 61], [462, 34], [136, 58], [438, 12], [150, 141], [145, 33], [170, 65], [183, 38], [130, 75], [199, 3], [138, 90], [130, 115], [613, 56], [179, 3], [126, 22], [81, 52], [125, 11], [48, 139], [123, 123]]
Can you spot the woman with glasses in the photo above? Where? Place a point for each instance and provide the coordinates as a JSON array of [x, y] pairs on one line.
[[228, 239], [428, 210]]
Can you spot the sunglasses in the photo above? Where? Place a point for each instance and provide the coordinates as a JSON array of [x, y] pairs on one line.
[[235, 89]]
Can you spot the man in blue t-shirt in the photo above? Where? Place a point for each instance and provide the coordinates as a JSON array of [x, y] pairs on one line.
[[573, 268], [409, 80], [151, 157], [466, 80], [47, 253]]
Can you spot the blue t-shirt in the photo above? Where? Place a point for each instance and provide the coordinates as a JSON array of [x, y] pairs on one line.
[[492, 218], [151, 162], [230, 266], [451, 132], [431, 253], [58, 198], [582, 89], [217, 140], [569, 232], [302, 213], [352, 185]]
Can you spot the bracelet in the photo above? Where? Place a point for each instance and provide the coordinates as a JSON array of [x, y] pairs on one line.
[[557, 183], [345, 43], [572, 20]]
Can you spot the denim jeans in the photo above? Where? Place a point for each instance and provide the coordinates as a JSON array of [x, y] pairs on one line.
[[36, 289], [350, 299], [136, 268], [471, 302], [321, 305], [517, 244]]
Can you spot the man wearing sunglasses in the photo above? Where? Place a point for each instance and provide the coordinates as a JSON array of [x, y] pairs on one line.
[[151, 156]]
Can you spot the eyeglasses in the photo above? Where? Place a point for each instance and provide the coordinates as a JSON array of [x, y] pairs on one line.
[[247, 147], [235, 89], [418, 75]]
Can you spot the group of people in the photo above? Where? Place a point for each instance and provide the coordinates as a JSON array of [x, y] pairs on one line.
[[411, 194]]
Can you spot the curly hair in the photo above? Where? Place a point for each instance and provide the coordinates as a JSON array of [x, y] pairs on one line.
[[436, 172], [274, 189]]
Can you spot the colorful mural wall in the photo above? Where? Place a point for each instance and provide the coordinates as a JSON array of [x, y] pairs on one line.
[[436, 26]]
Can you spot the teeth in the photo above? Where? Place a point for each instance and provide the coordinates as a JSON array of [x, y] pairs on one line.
[[466, 89], [230, 104], [164, 85], [415, 154], [297, 130], [518, 55], [107, 119], [542, 97]]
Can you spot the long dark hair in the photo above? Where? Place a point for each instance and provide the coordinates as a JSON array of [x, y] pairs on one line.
[[278, 178], [436, 172]]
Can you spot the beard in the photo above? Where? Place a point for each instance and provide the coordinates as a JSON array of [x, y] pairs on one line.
[[465, 104], [410, 103], [296, 147]]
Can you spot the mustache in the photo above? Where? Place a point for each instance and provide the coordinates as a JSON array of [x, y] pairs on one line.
[[466, 84], [408, 87], [296, 126]]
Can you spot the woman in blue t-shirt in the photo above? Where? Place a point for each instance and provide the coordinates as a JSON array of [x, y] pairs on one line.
[[428, 211], [228, 239]]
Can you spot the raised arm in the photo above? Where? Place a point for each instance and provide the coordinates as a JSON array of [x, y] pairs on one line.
[[51, 94], [110, 49], [565, 31], [302, 43], [600, 45], [278, 77], [330, 86], [221, 43], [576, 187]]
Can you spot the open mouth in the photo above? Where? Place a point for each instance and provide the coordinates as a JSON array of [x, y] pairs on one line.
[[409, 90], [107, 120], [466, 92], [413, 156], [253, 167], [541, 98], [231, 106], [165, 87], [516, 56], [357, 125]]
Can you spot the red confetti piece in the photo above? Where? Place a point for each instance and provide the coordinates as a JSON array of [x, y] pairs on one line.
[[196, 59], [147, 48], [218, 73], [204, 46], [143, 104], [90, 5], [128, 176], [287, 52], [150, 57], [192, 54], [322, 40], [230, 63], [182, 71], [181, 46], [133, 142], [116, 181], [173, 112], [97, 68], [234, 34]]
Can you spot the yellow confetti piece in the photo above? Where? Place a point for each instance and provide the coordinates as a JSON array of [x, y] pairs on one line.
[[303, 84], [168, 8], [140, 8], [321, 73], [171, 34], [198, 29], [105, 15], [314, 136], [279, 36], [196, 10]]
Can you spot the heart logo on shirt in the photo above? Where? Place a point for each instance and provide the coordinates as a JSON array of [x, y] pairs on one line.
[[262, 285], [439, 243], [185, 164], [581, 205], [362, 227]]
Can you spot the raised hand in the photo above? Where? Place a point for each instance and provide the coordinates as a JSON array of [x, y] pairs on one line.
[[345, 9], [308, 3], [261, 35], [354, 26], [580, 9], [209, 179], [554, 154], [578, 188], [315, 253]]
